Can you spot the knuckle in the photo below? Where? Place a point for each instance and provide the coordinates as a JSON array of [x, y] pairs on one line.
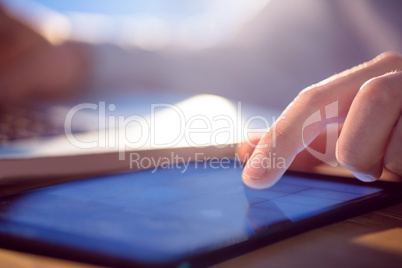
[[379, 91], [390, 58], [312, 95]]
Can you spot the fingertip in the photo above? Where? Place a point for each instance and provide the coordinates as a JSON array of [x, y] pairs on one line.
[[246, 148], [256, 167], [259, 174], [365, 177], [258, 183]]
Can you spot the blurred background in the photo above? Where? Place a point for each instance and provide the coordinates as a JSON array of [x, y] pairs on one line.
[[150, 24], [257, 51]]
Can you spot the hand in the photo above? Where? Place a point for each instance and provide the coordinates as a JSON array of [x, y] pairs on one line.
[[366, 98], [31, 67]]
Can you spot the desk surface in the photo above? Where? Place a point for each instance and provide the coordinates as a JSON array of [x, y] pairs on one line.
[[370, 240]]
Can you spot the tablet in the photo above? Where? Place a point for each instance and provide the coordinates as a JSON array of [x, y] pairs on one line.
[[189, 214]]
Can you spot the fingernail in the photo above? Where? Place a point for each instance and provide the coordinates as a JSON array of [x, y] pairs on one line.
[[255, 167], [365, 177]]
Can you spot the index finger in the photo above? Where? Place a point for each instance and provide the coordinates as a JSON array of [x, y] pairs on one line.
[[316, 106]]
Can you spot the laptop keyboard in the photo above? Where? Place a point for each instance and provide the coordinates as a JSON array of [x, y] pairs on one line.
[[22, 123]]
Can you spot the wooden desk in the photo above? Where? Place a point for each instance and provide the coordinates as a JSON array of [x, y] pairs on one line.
[[370, 240]]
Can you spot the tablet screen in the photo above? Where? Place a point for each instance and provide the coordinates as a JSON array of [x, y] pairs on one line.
[[164, 215]]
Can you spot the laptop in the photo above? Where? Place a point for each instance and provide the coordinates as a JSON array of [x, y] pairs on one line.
[[90, 137]]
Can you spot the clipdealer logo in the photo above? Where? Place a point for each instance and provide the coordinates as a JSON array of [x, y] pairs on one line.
[[166, 125], [114, 131], [331, 111]]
